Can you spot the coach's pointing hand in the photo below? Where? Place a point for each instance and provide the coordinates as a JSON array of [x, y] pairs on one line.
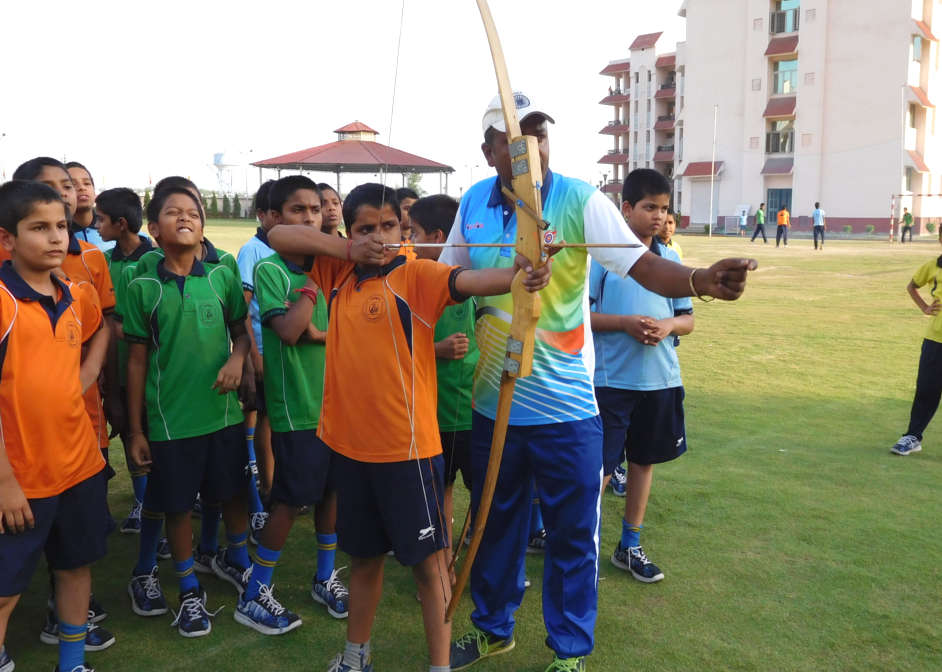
[[726, 279]]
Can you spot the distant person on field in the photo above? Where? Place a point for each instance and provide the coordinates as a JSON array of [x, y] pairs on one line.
[[743, 222], [407, 197], [819, 221], [784, 221], [666, 234], [929, 378], [760, 224], [906, 222]]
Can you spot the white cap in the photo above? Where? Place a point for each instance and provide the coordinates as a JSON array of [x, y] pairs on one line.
[[494, 116]]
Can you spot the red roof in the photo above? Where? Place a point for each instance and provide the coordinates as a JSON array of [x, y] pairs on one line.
[[614, 129], [611, 188], [645, 41], [664, 156], [616, 66], [666, 93], [780, 107], [782, 45], [924, 29], [778, 166], [918, 162], [615, 99], [666, 61], [354, 127], [667, 124], [702, 169], [921, 96], [619, 158], [354, 156]]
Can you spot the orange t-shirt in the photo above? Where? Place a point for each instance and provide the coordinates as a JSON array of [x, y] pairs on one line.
[[783, 218], [85, 263], [380, 368], [48, 438]]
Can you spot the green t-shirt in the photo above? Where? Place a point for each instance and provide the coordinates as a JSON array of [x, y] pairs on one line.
[[117, 264], [456, 376], [908, 219], [928, 273], [760, 217], [185, 323], [294, 374]]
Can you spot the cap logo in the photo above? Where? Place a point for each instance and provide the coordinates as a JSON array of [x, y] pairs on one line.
[[521, 101]]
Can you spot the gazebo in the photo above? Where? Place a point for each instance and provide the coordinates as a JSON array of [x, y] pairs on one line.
[[355, 151]]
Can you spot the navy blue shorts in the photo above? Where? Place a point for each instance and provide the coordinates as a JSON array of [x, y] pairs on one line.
[[387, 505], [456, 451], [213, 465], [646, 425], [260, 404], [71, 528], [302, 465]]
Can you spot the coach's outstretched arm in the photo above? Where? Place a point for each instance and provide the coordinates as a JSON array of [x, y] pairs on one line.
[[726, 279]]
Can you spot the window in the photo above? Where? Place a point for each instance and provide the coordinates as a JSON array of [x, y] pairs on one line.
[[776, 199], [811, 15], [757, 24], [754, 142], [785, 76], [649, 75], [636, 78], [910, 178], [756, 84], [809, 78], [917, 48], [911, 116], [780, 138], [784, 19]]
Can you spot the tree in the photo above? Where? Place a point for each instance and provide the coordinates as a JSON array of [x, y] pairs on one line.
[[146, 198], [213, 206], [413, 183], [226, 206], [236, 207]]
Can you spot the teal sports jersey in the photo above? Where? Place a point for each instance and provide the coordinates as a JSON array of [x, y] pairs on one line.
[[456, 376], [117, 264], [185, 321], [294, 374], [560, 387]]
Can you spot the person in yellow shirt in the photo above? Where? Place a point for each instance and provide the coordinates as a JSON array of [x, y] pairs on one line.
[[784, 221]]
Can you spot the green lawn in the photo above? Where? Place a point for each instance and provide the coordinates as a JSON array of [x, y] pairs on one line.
[[791, 539]]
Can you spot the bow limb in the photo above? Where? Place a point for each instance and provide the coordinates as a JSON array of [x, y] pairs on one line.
[[527, 178]]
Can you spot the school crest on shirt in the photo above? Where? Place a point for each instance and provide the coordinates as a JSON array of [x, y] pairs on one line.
[[72, 334], [373, 307]]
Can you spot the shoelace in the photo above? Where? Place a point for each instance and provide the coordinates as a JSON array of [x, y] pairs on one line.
[[638, 552], [136, 510], [476, 637], [266, 598], [335, 587], [152, 586], [564, 665], [194, 608], [259, 519]]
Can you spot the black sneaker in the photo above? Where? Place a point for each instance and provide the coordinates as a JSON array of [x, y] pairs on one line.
[[635, 561], [193, 620], [96, 612], [147, 599], [476, 645], [96, 639], [237, 576], [163, 549], [78, 668], [203, 560], [537, 543]]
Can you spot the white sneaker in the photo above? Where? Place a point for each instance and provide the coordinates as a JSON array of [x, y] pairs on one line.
[[907, 444]]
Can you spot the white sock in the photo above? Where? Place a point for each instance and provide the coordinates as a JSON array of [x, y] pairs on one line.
[[356, 655]]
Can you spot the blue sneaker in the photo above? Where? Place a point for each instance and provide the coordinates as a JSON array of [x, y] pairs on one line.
[[132, 524], [203, 560], [475, 645], [96, 639], [265, 614], [337, 665], [619, 480], [147, 599], [635, 561], [78, 668], [163, 549], [257, 522], [193, 620], [237, 576], [6, 663], [906, 445], [332, 594], [537, 543]]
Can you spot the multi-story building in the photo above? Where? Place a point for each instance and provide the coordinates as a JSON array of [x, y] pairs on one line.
[[811, 100]]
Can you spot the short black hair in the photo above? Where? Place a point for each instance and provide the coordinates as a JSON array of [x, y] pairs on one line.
[[121, 202], [489, 135], [177, 182], [32, 168], [405, 192], [372, 194], [434, 213], [323, 186], [160, 197], [282, 190], [261, 203], [643, 182], [76, 164], [817, 205], [17, 198], [761, 204]]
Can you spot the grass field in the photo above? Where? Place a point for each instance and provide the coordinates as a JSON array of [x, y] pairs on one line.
[[790, 538]]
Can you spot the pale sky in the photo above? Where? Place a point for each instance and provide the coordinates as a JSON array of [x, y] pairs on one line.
[[138, 91]]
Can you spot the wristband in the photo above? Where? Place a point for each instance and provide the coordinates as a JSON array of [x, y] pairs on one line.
[[349, 245], [309, 293], [693, 290]]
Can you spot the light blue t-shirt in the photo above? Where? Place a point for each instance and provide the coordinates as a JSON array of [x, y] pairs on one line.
[[91, 235], [251, 253], [818, 217], [621, 361]]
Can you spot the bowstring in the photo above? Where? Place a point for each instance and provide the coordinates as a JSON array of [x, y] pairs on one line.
[[410, 408]]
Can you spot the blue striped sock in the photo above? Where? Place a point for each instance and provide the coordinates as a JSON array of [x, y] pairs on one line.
[[630, 534], [209, 530], [255, 501], [237, 553], [185, 573], [151, 525], [262, 570], [536, 516], [139, 484], [326, 550], [71, 645]]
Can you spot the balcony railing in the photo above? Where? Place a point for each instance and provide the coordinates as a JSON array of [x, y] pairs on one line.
[[665, 148], [665, 117], [780, 142], [784, 22], [785, 81], [614, 122], [669, 84]]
